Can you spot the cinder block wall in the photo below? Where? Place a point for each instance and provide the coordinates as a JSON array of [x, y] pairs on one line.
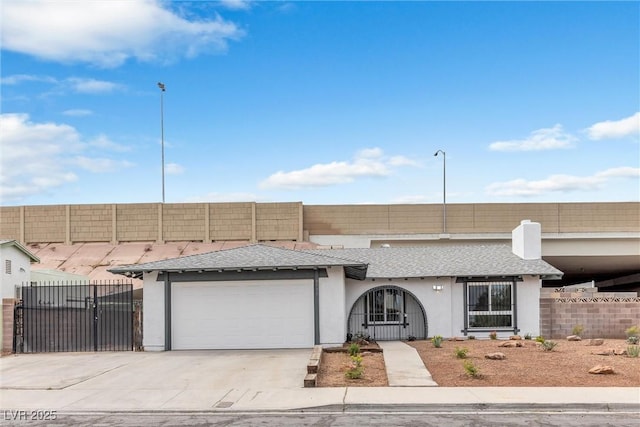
[[602, 314], [291, 221], [471, 218]]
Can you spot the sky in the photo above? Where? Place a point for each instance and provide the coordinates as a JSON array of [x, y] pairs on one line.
[[319, 102]]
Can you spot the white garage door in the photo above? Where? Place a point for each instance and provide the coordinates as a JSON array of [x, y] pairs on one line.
[[242, 315]]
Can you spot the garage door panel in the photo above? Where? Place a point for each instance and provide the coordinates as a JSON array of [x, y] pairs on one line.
[[234, 315]]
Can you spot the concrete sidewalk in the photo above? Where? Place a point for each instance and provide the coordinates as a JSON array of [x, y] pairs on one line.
[[404, 365]]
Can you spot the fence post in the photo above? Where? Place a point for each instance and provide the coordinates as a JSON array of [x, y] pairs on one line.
[[95, 318]]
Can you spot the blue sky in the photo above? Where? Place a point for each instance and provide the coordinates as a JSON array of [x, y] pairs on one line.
[[320, 102]]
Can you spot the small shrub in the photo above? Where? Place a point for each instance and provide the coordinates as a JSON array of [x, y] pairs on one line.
[[411, 338], [471, 337], [461, 353], [632, 333], [437, 341], [527, 336], [540, 339], [577, 330], [356, 370], [471, 369], [633, 351], [493, 335], [549, 345], [354, 349]]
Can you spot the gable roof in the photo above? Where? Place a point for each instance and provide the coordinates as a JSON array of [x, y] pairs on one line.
[[252, 257], [456, 260], [7, 243], [463, 260]]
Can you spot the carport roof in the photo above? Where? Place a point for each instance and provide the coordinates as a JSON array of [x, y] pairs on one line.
[[252, 257], [461, 260]]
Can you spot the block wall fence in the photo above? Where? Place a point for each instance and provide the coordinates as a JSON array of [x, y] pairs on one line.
[[293, 221], [602, 314]]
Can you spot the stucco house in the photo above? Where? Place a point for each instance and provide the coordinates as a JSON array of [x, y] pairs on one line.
[[261, 296], [15, 262]]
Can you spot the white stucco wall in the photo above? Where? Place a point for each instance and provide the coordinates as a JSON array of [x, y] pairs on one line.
[[440, 307], [445, 309], [20, 270], [153, 319], [333, 318]]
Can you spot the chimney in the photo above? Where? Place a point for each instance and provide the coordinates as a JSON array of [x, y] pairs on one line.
[[526, 240]]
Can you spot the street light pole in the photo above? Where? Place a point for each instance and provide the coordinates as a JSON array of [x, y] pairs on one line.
[[162, 90], [444, 190]]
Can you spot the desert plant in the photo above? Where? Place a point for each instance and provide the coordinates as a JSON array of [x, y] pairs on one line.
[[411, 338], [437, 341], [471, 337], [354, 349], [527, 336], [471, 369], [577, 330], [632, 333], [493, 335], [633, 351], [540, 339], [356, 370], [549, 345], [461, 353]]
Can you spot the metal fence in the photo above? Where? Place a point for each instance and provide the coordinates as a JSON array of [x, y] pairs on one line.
[[74, 317]]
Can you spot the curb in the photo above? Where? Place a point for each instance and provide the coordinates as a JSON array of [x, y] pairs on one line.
[[479, 407]]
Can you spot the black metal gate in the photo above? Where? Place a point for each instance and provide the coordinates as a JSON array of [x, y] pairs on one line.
[[388, 313], [83, 317]]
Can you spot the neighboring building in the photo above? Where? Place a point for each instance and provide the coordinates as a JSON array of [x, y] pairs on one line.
[[15, 261], [261, 296]]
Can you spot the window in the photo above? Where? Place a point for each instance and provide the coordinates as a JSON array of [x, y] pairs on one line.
[[385, 306], [7, 266], [490, 304]]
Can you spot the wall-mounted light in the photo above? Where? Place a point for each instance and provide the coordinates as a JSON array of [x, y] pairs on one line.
[[438, 288]]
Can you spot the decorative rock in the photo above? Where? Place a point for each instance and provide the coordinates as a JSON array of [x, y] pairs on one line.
[[495, 356], [511, 344], [619, 352], [515, 337], [601, 369], [596, 341], [456, 339], [608, 352], [574, 338]]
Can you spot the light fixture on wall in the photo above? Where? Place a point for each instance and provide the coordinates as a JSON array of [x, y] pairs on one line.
[[438, 288]]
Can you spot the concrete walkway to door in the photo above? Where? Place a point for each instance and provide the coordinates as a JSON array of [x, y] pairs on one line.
[[404, 366]]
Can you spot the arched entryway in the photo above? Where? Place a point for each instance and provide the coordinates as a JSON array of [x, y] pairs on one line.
[[387, 313]]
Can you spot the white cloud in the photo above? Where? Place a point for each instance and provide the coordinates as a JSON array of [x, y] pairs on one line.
[[173, 169], [100, 165], [542, 139], [103, 142], [369, 162], [610, 129], [236, 4], [82, 85], [38, 157], [21, 78], [77, 112], [412, 199], [560, 183], [107, 33]]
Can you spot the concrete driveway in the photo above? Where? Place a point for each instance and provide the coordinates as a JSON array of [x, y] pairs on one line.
[[175, 379]]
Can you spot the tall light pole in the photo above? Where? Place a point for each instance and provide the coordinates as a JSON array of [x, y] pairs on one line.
[[162, 90], [444, 190]]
